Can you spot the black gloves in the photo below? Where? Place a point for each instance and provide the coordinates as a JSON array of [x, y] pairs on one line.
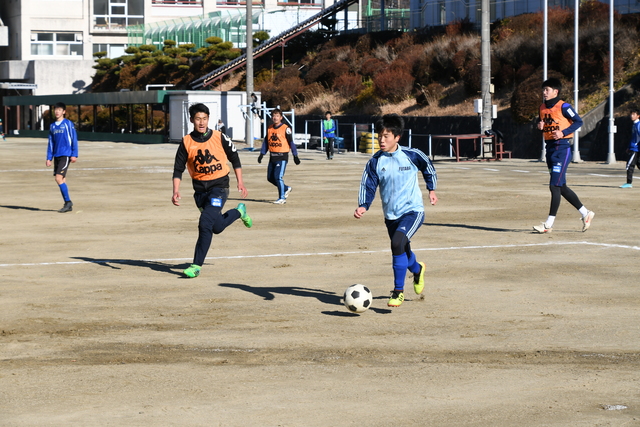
[[296, 160]]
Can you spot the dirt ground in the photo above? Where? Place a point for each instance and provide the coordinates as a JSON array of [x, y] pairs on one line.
[[99, 328]]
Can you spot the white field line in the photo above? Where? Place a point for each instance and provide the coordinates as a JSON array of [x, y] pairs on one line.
[[304, 254]]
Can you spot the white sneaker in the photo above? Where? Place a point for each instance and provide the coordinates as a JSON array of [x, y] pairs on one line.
[[286, 193], [280, 202], [542, 228], [586, 221]]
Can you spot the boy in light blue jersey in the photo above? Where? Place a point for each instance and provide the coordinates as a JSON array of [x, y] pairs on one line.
[[395, 170], [62, 149]]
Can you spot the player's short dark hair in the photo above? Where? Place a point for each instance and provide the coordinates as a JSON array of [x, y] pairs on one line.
[[634, 109], [276, 111], [59, 105], [328, 112], [198, 108], [391, 122], [553, 83]]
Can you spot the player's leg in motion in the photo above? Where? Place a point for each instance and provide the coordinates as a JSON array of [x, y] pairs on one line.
[[61, 165], [212, 221], [400, 232], [275, 175], [631, 165], [558, 187]]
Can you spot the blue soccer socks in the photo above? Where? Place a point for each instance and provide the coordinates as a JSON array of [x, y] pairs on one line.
[[64, 191], [400, 264]]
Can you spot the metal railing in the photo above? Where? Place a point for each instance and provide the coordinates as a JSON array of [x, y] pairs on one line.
[[272, 43]]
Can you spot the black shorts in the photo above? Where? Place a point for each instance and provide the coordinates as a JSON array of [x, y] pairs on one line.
[[60, 165]]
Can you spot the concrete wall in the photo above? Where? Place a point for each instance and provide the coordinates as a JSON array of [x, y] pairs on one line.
[[62, 76], [222, 105]]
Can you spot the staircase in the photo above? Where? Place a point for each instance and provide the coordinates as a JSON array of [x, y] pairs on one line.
[[270, 44]]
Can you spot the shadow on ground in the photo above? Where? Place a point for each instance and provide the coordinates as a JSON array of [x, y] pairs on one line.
[[153, 265], [27, 208], [325, 297]]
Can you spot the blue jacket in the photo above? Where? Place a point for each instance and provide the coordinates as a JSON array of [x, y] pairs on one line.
[[397, 176], [63, 140], [635, 136]]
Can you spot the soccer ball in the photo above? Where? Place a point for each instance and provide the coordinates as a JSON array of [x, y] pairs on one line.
[[357, 298]]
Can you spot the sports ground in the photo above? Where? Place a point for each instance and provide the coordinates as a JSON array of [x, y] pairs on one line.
[[99, 328]]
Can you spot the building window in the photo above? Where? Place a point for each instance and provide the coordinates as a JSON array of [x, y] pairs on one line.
[[56, 44], [117, 14], [317, 3], [239, 2], [113, 50], [177, 2]]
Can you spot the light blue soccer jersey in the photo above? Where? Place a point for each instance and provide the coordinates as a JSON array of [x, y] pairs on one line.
[[397, 176]]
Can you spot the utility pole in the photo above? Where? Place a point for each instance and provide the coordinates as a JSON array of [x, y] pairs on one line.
[[576, 134], [611, 157], [249, 78], [545, 64], [485, 87]]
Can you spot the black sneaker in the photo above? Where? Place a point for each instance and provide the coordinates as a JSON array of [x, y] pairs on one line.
[[68, 207]]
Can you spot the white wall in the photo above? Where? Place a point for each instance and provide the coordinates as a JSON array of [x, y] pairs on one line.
[[62, 76], [222, 105]]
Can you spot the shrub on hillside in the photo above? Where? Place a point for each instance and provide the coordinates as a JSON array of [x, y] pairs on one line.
[[460, 27], [472, 79], [430, 95], [310, 92], [405, 41], [326, 72], [504, 77], [348, 85], [524, 72], [286, 73], [526, 99], [371, 66], [412, 56], [283, 94], [393, 85]]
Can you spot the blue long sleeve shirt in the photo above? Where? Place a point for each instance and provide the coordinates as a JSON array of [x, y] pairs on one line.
[[63, 140], [397, 176], [635, 136], [329, 128]]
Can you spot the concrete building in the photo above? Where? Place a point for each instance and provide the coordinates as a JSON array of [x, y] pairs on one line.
[[50, 43], [441, 12]]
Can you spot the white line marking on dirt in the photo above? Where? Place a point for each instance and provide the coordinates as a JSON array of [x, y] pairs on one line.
[[451, 248]]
